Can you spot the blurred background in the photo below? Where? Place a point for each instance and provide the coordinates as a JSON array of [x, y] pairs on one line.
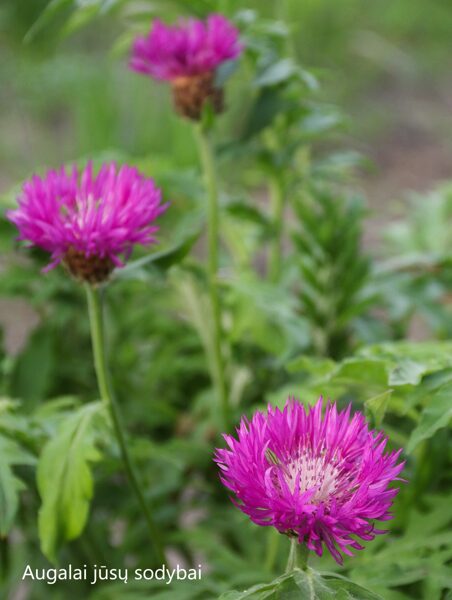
[[66, 92], [387, 64]]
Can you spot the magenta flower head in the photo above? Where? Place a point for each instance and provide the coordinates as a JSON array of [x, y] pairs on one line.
[[88, 222], [321, 479], [188, 55]]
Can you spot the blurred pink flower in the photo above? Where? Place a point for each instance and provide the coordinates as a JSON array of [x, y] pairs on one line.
[[89, 222], [322, 479], [190, 48]]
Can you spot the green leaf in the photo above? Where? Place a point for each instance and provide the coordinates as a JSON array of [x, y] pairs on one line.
[[435, 416], [161, 260], [355, 370], [305, 584], [266, 107], [65, 480], [320, 121], [433, 355], [319, 367], [277, 73], [249, 213], [11, 450], [377, 406], [11, 453], [10, 486], [198, 309], [79, 19], [48, 14], [225, 71], [32, 375], [407, 372]]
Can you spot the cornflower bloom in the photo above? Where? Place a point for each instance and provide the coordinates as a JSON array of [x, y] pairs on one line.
[[323, 480], [88, 222], [188, 55]]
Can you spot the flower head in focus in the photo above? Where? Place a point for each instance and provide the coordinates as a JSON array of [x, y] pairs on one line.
[[322, 479], [88, 222], [188, 55]]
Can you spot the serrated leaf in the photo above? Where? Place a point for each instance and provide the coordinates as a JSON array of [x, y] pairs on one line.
[[435, 416], [308, 585], [65, 481]]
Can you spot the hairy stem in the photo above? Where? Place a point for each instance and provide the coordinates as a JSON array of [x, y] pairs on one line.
[[298, 556], [206, 156], [107, 395]]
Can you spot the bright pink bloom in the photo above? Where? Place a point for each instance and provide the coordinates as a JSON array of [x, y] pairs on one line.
[[101, 215], [190, 48], [321, 478]]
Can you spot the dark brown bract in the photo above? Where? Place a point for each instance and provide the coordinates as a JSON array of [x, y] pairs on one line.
[[192, 93], [89, 269]]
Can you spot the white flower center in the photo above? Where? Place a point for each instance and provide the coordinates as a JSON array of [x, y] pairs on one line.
[[312, 472]]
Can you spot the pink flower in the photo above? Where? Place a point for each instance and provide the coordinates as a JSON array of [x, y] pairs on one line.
[[85, 217], [190, 48], [320, 478]]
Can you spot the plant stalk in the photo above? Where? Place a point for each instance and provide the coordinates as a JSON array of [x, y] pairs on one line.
[[207, 159], [96, 319], [284, 14], [298, 556], [273, 542], [277, 216]]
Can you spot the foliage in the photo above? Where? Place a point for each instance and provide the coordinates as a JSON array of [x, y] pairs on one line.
[[330, 318], [306, 584]]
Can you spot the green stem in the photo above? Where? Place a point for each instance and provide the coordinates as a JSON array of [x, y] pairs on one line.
[[284, 14], [107, 395], [303, 556], [273, 541], [277, 215], [208, 165], [298, 556], [4, 558]]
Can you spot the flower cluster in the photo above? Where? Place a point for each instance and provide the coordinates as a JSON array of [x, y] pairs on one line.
[[323, 479], [187, 55], [89, 222]]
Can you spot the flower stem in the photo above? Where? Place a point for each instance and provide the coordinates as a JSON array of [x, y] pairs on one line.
[[277, 214], [107, 395], [208, 165], [298, 556], [273, 541], [284, 14]]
